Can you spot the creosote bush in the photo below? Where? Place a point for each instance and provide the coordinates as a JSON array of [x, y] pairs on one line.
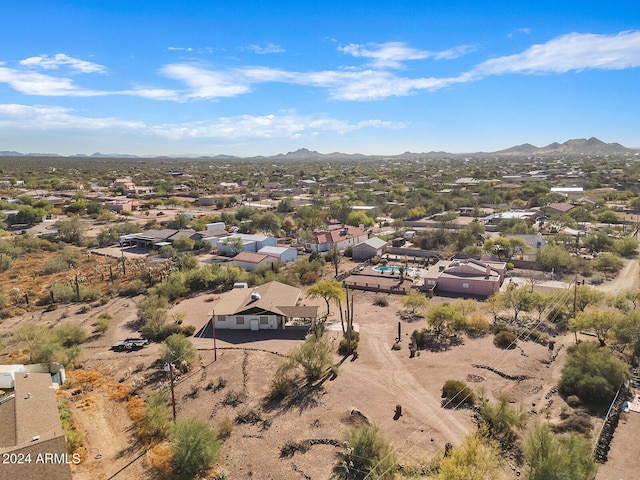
[[505, 339], [458, 393]]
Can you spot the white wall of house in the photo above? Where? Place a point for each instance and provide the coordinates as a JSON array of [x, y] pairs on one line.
[[247, 322]]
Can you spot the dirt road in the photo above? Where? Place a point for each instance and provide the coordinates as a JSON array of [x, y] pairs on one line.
[[627, 279]]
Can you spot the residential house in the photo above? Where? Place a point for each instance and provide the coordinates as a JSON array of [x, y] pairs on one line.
[[557, 208], [250, 243], [269, 306], [152, 239], [251, 261], [281, 254], [372, 247], [340, 238], [469, 277], [31, 429]]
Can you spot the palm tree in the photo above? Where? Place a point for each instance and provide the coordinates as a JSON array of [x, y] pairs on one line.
[[329, 290]]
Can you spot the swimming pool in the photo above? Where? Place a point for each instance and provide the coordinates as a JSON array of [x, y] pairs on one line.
[[394, 270]]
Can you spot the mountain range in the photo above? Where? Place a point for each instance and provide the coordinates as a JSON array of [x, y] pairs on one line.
[[579, 146]]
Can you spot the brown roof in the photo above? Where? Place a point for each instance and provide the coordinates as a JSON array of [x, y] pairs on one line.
[[339, 234], [273, 296], [36, 429], [250, 257]]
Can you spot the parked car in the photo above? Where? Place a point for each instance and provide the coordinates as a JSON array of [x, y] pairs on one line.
[[129, 344]]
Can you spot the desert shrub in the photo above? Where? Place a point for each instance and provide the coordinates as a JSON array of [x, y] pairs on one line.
[[281, 386], [155, 420], [70, 334], [368, 453], [195, 447], [592, 373], [379, 301], [579, 422], [250, 416], [102, 323], [458, 393], [161, 458], [225, 428], [234, 398], [342, 346], [573, 401], [131, 289], [121, 392], [420, 337], [505, 339], [477, 326], [72, 435], [55, 265]]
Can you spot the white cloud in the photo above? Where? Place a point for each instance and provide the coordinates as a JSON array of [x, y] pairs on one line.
[[33, 83], [392, 54], [268, 48], [180, 49], [285, 125], [61, 60], [43, 117], [385, 55], [571, 52], [205, 83]]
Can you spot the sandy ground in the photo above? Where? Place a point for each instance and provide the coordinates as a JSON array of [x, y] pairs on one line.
[[374, 384]]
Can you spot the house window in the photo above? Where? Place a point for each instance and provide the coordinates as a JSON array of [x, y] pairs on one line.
[[264, 320], [239, 320], [465, 285]]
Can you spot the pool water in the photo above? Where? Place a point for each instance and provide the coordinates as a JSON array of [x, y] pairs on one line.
[[395, 270]]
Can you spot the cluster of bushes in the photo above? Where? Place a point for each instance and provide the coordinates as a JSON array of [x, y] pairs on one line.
[[59, 344]]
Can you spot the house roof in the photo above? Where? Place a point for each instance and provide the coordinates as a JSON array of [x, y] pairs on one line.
[[273, 296], [561, 207], [34, 410], [470, 268], [250, 257], [339, 234], [273, 251], [374, 242]]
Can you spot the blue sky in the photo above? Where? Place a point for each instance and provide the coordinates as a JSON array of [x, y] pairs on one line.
[[260, 78]]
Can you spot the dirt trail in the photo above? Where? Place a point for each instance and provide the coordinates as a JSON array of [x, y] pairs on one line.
[[627, 279]]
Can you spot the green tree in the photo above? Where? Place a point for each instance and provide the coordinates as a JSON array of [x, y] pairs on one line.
[[555, 257], [445, 318], [268, 223], [625, 247], [585, 296], [360, 218], [156, 420], [179, 351], [553, 457], [476, 459], [592, 373], [505, 248], [184, 244], [598, 241], [368, 454], [599, 321], [607, 262], [329, 290], [414, 301], [516, 299], [33, 336], [195, 447], [70, 230]]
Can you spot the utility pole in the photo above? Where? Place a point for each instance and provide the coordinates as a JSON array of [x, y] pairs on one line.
[[169, 368]]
